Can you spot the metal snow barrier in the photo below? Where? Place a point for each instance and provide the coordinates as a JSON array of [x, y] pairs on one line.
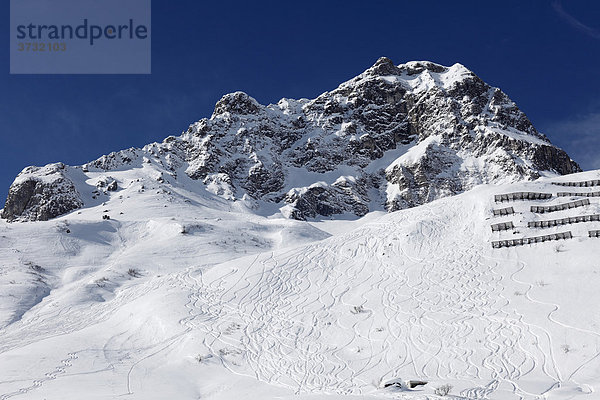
[[521, 196], [560, 207], [571, 194], [563, 221], [503, 211], [538, 239], [594, 233], [503, 226], [595, 182]]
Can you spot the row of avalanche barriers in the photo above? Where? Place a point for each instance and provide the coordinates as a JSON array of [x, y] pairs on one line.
[[595, 182], [564, 221], [503, 211], [560, 207], [537, 239], [522, 196], [503, 226], [571, 194]]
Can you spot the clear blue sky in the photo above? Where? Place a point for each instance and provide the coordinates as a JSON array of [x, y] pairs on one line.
[[544, 54]]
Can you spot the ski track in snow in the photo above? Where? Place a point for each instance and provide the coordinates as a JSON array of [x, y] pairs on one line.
[[430, 305]]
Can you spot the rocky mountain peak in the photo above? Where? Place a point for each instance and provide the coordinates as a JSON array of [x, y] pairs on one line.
[[391, 138], [382, 67], [236, 103], [385, 67]]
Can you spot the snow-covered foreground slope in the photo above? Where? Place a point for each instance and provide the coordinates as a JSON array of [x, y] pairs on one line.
[[187, 296]]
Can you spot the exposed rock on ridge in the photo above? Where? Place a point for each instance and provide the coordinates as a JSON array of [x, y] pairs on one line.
[[39, 194]]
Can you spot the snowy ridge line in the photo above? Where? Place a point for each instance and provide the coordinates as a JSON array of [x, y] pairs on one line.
[[537, 239], [594, 182], [594, 233], [570, 194], [503, 211], [500, 198], [560, 207], [563, 221], [502, 226]]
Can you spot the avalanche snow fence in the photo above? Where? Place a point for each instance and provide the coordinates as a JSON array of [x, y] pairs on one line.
[[563, 221], [538, 239], [595, 182], [572, 194], [502, 226], [560, 207], [521, 196], [504, 211]]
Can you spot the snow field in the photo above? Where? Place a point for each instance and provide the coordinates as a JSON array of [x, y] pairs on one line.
[[225, 303]]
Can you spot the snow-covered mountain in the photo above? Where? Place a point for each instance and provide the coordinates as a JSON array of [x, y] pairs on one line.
[[391, 138], [311, 250]]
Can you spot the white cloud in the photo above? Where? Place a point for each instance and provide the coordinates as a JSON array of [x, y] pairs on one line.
[[574, 22]]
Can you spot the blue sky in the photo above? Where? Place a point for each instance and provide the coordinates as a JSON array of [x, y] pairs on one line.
[[544, 54]]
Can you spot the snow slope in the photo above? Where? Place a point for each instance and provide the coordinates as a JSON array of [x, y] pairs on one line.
[[182, 294]]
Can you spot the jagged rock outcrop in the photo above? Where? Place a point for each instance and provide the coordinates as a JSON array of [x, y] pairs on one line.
[[393, 137], [39, 194], [346, 194]]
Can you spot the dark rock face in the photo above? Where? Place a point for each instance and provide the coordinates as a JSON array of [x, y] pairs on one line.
[[463, 131], [424, 181], [551, 158], [326, 200], [107, 184], [393, 137], [384, 66], [40, 194]]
